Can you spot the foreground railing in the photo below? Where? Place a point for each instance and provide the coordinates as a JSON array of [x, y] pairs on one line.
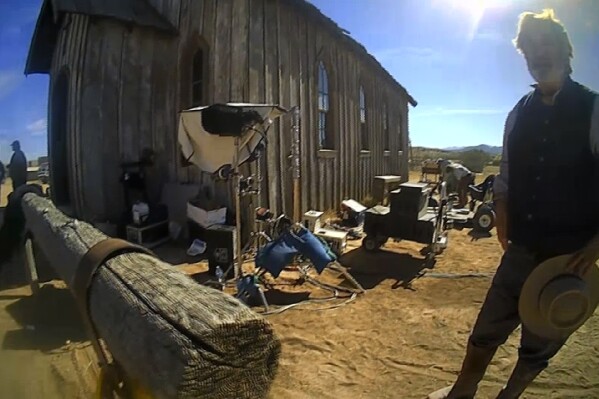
[[162, 331]]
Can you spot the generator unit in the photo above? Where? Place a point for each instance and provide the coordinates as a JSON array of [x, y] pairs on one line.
[[408, 218], [410, 200]]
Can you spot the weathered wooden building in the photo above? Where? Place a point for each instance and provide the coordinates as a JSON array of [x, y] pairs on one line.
[[121, 70]]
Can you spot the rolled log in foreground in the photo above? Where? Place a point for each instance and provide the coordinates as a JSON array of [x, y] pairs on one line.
[[176, 337]]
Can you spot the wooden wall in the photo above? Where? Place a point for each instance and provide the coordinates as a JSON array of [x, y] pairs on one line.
[[121, 101], [69, 58], [128, 93]]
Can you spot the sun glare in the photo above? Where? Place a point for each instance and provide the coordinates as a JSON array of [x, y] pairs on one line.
[[477, 6], [475, 10]]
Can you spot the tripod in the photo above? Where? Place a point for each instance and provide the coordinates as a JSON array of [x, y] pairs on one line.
[[242, 187]]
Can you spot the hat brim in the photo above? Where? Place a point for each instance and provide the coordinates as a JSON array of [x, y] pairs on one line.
[[528, 305]]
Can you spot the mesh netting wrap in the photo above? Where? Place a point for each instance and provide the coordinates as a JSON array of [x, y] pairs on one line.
[[178, 338]]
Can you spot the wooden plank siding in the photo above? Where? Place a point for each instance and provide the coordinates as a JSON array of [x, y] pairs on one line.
[[69, 58], [256, 90], [164, 105], [128, 85], [271, 82]]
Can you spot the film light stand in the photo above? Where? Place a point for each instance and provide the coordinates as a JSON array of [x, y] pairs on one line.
[[245, 187], [265, 225], [242, 187]]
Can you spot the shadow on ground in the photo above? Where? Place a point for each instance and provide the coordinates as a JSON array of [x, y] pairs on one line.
[[203, 278], [477, 235], [48, 320], [14, 274], [175, 253], [372, 268], [277, 297]]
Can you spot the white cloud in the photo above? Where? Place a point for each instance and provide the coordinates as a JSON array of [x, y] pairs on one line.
[[11, 32], [458, 111], [38, 127], [39, 133], [18, 20], [416, 55], [9, 81], [491, 36]]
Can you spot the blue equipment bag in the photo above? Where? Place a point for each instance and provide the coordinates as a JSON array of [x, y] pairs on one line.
[[275, 255], [311, 247]]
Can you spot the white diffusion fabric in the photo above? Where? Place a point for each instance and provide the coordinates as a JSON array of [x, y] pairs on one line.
[[210, 151]]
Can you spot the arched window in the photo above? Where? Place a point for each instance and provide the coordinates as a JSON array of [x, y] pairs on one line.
[[194, 76], [194, 73], [198, 79], [363, 126], [59, 149], [324, 135], [386, 137]]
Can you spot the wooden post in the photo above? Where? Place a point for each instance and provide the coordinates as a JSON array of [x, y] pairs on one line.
[[31, 267], [295, 164], [238, 257], [177, 338]]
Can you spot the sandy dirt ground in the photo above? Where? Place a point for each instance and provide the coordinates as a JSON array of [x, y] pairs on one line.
[[43, 345], [6, 189], [403, 339]]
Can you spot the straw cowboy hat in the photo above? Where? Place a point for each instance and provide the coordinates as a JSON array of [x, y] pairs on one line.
[[554, 303]]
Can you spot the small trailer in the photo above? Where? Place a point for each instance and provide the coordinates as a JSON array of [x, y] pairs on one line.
[[430, 168], [482, 206], [480, 213]]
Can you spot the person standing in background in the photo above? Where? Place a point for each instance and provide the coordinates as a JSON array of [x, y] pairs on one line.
[[458, 178], [18, 166]]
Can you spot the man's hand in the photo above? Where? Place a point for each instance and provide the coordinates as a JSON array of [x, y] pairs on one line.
[[501, 223], [584, 259]]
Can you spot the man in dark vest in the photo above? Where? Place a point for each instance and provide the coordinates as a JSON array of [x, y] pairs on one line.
[[18, 166], [546, 197]]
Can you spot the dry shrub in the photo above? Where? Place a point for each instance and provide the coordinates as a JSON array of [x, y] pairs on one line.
[[368, 201], [331, 216]]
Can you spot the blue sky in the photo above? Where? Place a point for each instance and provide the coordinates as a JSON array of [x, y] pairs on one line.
[[457, 59], [454, 56], [23, 101]]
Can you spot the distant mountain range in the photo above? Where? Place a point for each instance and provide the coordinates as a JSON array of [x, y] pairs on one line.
[[493, 150]]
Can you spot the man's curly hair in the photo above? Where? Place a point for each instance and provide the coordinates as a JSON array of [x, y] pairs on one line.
[[546, 20]]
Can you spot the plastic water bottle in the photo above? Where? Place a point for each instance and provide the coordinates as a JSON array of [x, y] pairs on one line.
[[219, 274]]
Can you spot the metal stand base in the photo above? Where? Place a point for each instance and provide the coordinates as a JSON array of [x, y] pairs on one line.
[[338, 267], [248, 288], [30, 266]]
